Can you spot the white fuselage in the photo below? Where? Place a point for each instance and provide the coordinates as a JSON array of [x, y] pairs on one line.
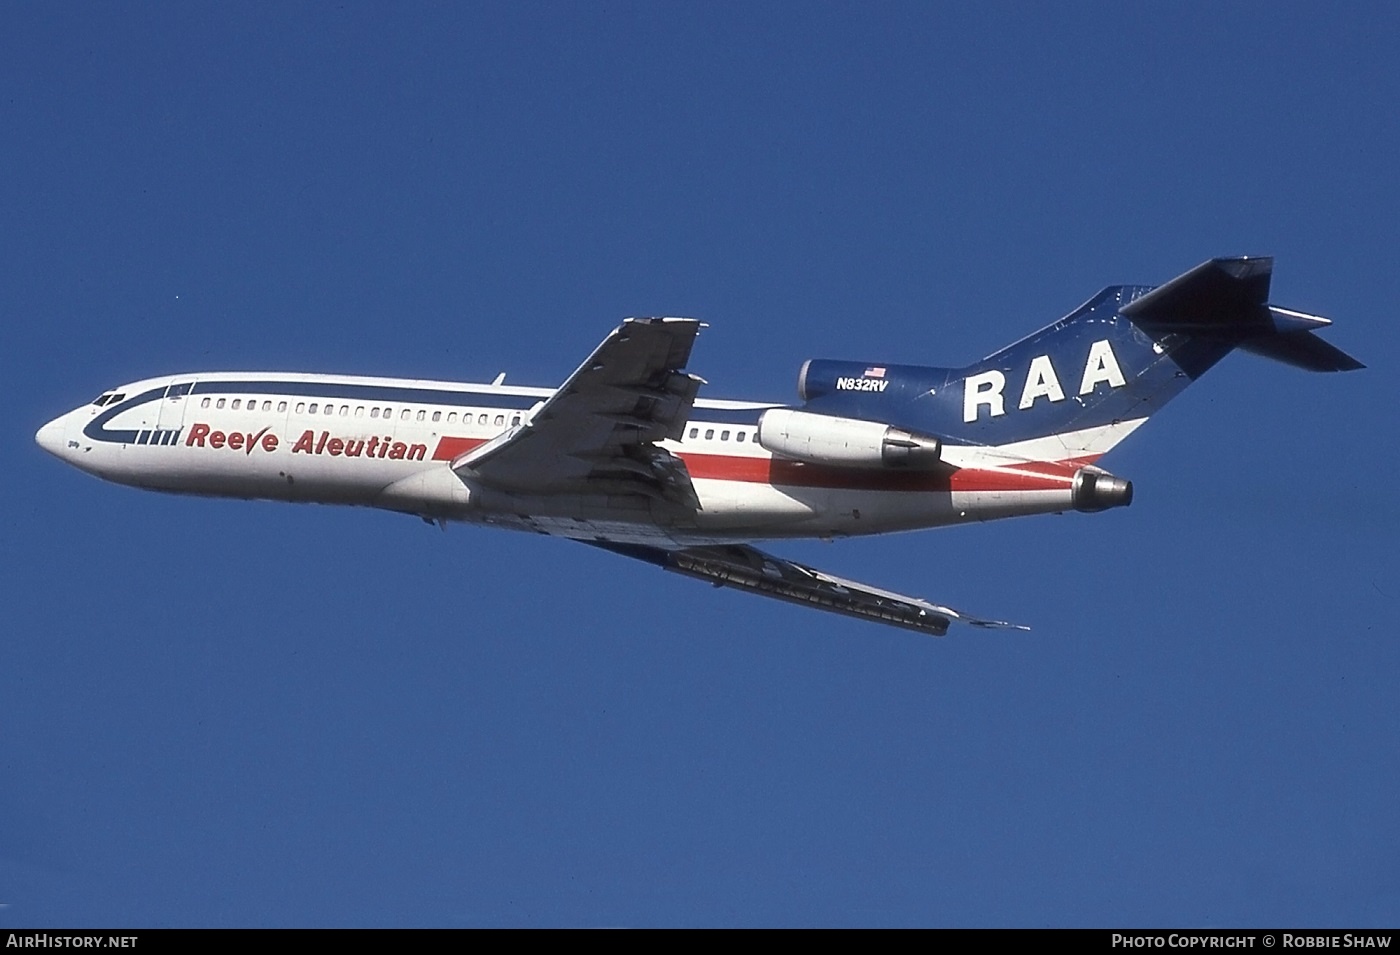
[[390, 443]]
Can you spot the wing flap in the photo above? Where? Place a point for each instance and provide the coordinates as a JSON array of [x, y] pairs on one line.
[[748, 568]]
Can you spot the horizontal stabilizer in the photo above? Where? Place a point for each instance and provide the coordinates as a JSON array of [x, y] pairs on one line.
[[1302, 350], [1287, 320], [1221, 292], [1227, 300]]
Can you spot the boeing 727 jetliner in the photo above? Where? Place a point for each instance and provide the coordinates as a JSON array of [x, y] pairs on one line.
[[624, 456]]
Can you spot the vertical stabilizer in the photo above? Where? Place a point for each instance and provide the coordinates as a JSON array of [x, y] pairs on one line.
[[1074, 389]]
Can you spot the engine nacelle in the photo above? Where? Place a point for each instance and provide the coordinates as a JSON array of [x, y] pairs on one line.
[[845, 442], [1097, 490]]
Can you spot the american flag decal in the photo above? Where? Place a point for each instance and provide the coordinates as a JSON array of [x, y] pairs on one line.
[[878, 371]]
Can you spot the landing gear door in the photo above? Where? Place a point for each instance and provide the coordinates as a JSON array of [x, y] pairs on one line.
[[172, 411]]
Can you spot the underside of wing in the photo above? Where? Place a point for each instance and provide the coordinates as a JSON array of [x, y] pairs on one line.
[[747, 568], [598, 434]]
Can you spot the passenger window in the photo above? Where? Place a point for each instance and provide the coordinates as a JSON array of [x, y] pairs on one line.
[[315, 406], [451, 416], [515, 420], [724, 435], [204, 403], [234, 406], [374, 412], [406, 415], [359, 411], [437, 415], [481, 419], [695, 432], [175, 391], [219, 403], [740, 436], [709, 434], [422, 415], [281, 406], [344, 410], [500, 420], [267, 406]]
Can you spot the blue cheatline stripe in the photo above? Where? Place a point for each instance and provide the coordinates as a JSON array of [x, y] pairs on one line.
[[96, 428], [702, 417], [159, 436], [96, 431], [430, 396], [347, 392]]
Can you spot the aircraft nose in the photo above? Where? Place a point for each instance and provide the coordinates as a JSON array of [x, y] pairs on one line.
[[53, 437]]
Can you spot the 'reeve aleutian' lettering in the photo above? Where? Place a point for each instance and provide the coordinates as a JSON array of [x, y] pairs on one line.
[[234, 440], [375, 447], [203, 436]]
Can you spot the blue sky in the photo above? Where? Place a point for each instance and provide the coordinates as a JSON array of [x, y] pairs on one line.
[[229, 713]]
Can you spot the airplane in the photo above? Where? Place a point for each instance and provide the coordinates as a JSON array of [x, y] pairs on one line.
[[625, 456]]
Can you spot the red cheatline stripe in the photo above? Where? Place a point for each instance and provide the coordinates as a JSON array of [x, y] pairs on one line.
[[1030, 476], [449, 448], [1045, 476], [1067, 466]]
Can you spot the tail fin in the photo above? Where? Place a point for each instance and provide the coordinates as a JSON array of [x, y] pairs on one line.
[[1076, 388]]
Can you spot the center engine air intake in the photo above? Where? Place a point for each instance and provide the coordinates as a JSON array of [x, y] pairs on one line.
[[845, 442]]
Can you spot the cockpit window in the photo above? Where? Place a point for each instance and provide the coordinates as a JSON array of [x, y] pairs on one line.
[[101, 400], [120, 396]]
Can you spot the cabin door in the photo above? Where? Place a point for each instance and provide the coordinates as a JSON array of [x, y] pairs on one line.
[[172, 410]]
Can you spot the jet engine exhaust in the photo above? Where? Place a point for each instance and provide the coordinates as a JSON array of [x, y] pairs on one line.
[[1096, 490]]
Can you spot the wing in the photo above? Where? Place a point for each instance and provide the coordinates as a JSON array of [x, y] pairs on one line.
[[597, 434], [747, 568]]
